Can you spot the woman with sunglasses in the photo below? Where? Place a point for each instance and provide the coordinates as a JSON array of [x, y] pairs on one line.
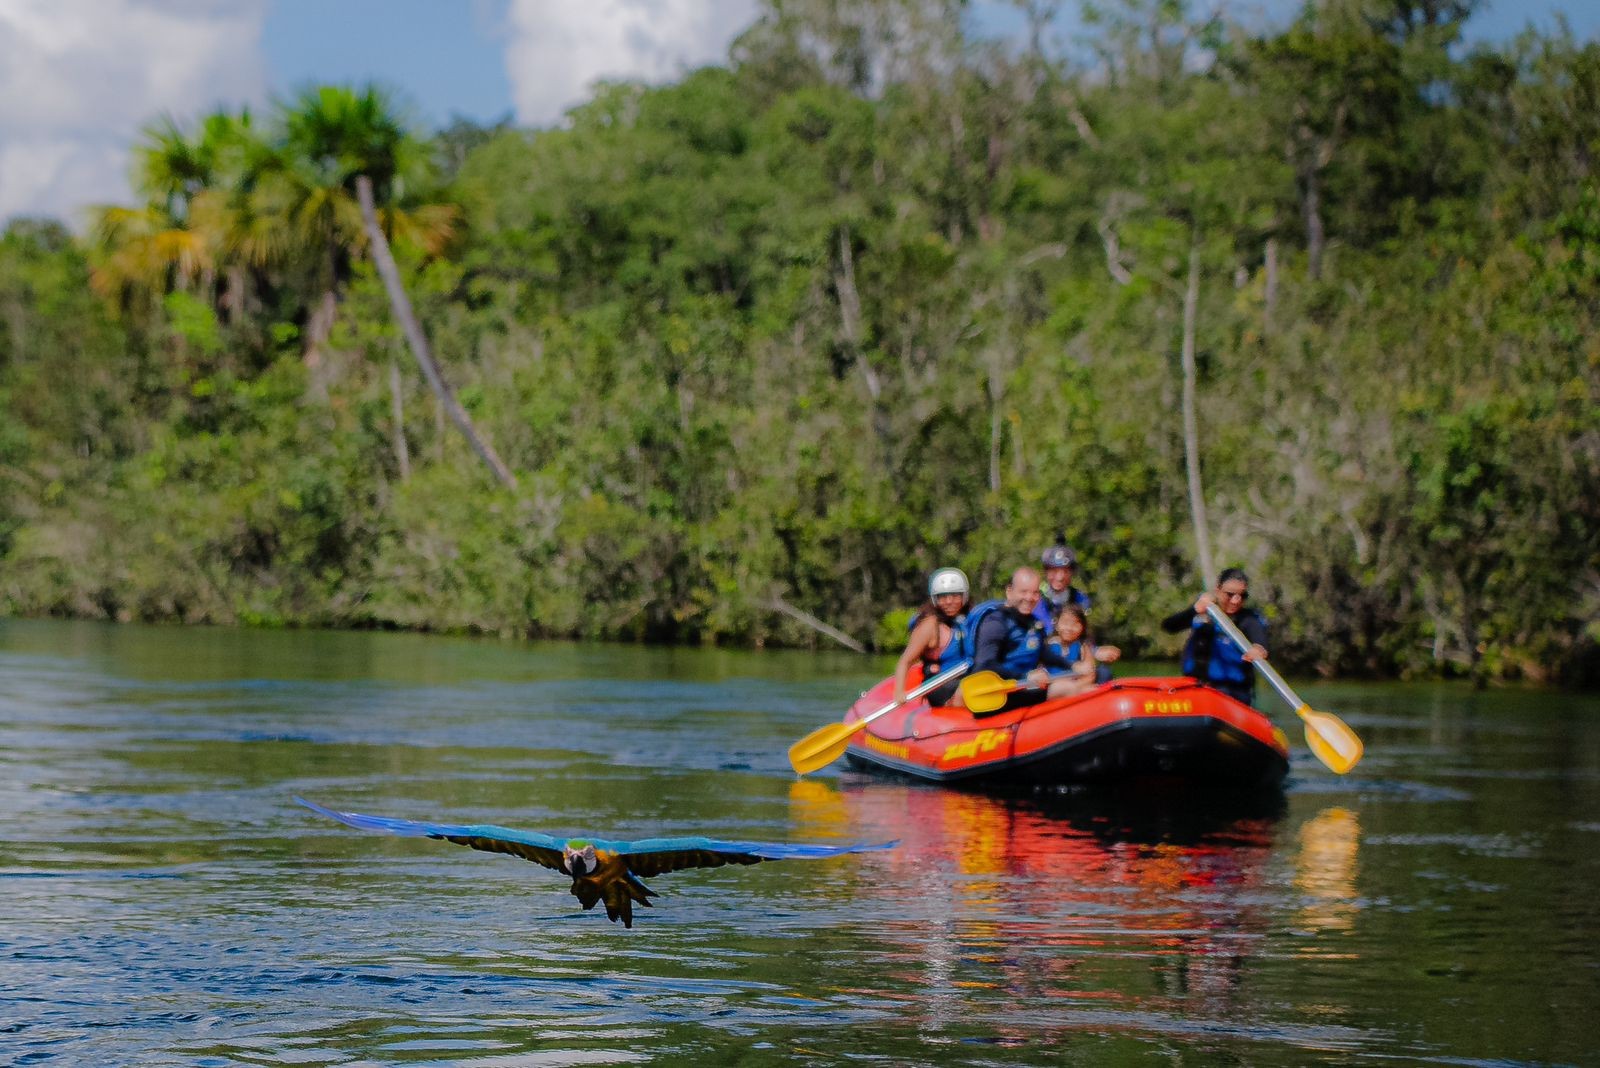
[[1214, 659]]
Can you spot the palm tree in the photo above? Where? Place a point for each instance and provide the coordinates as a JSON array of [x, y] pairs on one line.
[[330, 135], [191, 221], [144, 252], [335, 141], [224, 199]]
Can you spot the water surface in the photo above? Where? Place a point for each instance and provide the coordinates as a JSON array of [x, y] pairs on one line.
[[165, 903]]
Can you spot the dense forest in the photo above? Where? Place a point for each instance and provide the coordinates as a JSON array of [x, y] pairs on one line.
[[880, 294]]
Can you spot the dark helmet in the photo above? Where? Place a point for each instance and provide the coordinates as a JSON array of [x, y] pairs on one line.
[[1059, 556]]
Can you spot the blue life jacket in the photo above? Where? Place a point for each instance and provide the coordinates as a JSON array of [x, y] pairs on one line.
[[958, 649], [1210, 656], [1024, 642], [1046, 610], [1058, 659]]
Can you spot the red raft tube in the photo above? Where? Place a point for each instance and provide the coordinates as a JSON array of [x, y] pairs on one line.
[[1123, 730]]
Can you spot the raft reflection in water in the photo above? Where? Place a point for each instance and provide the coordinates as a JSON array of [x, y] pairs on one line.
[[1095, 905]]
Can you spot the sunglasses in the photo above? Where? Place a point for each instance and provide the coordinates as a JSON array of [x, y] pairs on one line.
[[1242, 595]]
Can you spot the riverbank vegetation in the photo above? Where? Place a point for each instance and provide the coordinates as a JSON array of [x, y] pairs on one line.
[[880, 295]]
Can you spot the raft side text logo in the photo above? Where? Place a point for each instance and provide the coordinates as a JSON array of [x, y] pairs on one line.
[[980, 743], [1169, 708], [886, 748]]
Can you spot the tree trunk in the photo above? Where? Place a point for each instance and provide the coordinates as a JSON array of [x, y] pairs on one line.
[[1191, 430], [996, 394], [318, 327], [844, 283], [383, 259], [1114, 264], [1270, 298], [438, 429], [1311, 207], [233, 296], [402, 455], [779, 604]]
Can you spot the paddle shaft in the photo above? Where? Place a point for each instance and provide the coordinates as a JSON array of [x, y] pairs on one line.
[[826, 744], [928, 686], [1220, 618], [1330, 739]]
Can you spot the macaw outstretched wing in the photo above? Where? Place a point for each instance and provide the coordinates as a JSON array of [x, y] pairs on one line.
[[655, 856], [529, 845], [649, 856]]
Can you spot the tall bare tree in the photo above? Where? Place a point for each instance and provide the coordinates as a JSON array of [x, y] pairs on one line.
[[383, 259]]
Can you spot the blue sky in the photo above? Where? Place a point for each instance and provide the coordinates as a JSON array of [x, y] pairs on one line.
[[450, 60], [79, 78], [451, 57]]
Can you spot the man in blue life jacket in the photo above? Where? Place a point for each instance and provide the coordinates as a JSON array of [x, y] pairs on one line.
[[1007, 638], [1212, 657]]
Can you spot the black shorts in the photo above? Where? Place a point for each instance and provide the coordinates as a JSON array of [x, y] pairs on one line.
[[1244, 693], [940, 695], [1025, 698], [1018, 699]]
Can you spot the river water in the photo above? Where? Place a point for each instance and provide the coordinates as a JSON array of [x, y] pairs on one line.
[[166, 903]]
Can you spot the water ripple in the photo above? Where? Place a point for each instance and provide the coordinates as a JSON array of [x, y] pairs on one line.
[[167, 904]]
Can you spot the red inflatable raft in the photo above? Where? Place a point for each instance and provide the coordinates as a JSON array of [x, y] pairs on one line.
[[1122, 730]]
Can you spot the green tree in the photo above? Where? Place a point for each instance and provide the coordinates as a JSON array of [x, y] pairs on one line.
[[330, 135]]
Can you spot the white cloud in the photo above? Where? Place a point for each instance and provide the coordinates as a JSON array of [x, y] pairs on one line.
[[557, 49], [78, 79]]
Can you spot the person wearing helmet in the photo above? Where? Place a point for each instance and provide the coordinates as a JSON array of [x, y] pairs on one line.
[[1060, 565], [938, 634]]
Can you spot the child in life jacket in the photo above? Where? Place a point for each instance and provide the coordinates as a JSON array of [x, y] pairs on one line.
[[1072, 658]]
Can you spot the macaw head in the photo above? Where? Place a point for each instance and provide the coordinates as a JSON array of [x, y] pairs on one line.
[[579, 858]]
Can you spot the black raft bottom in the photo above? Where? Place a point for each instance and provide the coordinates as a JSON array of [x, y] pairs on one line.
[[1197, 749]]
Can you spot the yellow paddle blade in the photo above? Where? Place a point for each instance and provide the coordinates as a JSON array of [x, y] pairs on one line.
[[985, 691], [1331, 740], [822, 746]]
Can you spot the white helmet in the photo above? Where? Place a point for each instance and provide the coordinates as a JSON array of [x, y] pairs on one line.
[[947, 580]]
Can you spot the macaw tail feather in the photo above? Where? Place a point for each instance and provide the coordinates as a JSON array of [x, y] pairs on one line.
[[621, 895]]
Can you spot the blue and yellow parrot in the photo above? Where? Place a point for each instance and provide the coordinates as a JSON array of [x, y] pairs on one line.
[[601, 870]]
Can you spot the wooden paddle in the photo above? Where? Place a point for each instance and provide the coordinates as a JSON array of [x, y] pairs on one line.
[[826, 744], [1334, 743]]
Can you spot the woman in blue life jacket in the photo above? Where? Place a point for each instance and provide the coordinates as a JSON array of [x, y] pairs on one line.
[[938, 635], [1071, 656], [1212, 657]]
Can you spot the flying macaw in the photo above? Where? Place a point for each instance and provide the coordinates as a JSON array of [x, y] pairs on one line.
[[601, 870]]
